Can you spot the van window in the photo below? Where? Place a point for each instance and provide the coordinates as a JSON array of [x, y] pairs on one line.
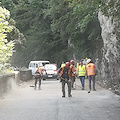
[[44, 63], [32, 65], [50, 67]]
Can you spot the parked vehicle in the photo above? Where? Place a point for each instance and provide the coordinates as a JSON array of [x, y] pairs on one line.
[[50, 71], [33, 65]]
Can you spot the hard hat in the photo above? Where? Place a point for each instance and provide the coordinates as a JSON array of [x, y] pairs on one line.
[[67, 64], [72, 62], [88, 60]]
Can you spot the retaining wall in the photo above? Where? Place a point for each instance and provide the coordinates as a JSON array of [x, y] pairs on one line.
[[11, 81], [25, 75], [7, 83]]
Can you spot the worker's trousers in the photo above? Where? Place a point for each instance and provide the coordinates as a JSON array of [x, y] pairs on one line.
[[91, 78], [69, 87], [82, 79], [37, 79], [72, 81]]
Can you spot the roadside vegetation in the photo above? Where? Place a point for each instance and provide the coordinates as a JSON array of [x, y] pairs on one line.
[[54, 30], [10, 38], [6, 47], [57, 30]]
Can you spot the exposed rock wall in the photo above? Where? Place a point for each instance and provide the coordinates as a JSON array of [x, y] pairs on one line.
[[108, 63]]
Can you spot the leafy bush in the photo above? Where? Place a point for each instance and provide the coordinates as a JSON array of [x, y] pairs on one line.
[[6, 48]]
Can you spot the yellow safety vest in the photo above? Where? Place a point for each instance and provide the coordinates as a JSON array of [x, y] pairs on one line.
[[82, 70], [62, 65]]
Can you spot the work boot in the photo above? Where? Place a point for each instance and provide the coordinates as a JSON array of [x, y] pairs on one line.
[[39, 88], [83, 88], [94, 90], [88, 91], [63, 94], [72, 88], [69, 95]]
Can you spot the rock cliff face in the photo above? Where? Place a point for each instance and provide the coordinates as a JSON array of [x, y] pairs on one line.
[[108, 62]]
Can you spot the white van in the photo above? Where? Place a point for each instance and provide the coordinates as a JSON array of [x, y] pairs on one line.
[[33, 65]]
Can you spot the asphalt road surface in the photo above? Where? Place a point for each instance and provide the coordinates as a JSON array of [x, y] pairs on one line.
[[25, 103]]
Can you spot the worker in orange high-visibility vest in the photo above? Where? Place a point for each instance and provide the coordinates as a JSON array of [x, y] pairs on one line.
[[38, 76], [91, 71], [65, 75]]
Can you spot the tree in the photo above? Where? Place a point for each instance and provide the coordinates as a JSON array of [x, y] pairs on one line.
[[6, 48], [51, 26], [59, 13], [86, 30], [43, 40]]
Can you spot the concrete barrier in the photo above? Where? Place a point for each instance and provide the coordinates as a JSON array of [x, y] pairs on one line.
[[25, 75], [11, 81], [7, 82]]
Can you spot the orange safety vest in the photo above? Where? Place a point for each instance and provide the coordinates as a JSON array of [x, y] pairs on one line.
[[69, 72], [39, 70], [73, 70], [90, 68]]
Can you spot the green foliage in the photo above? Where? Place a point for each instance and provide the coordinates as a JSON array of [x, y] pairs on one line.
[[49, 26], [87, 29], [30, 20], [60, 15], [43, 28], [111, 8], [6, 48]]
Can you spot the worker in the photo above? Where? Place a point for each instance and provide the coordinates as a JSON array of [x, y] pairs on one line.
[[82, 73], [72, 63], [59, 70], [65, 76], [38, 76], [77, 68], [91, 71]]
